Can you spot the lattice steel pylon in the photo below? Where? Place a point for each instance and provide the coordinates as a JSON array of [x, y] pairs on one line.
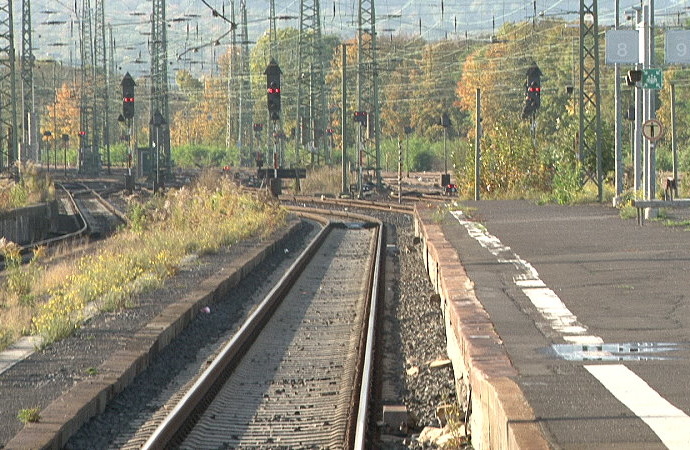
[[367, 80], [312, 117], [27, 77], [272, 30], [8, 80], [246, 105], [590, 95], [159, 131], [87, 152], [102, 96], [231, 131]]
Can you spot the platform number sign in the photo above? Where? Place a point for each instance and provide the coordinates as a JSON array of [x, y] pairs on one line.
[[677, 47], [622, 47]]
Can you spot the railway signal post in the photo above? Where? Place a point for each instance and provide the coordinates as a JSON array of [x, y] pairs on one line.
[[128, 85], [273, 73]]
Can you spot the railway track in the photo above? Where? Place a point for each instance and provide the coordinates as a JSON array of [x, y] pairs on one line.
[[93, 216], [291, 376], [134, 415], [98, 216]]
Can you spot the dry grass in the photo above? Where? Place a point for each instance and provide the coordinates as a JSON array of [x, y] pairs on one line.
[[35, 187], [199, 220], [324, 180]]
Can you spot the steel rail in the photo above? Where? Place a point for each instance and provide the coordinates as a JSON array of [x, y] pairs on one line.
[[363, 204], [75, 234], [166, 432], [362, 422]]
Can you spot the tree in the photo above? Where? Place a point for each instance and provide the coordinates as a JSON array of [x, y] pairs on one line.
[[189, 85], [64, 113], [400, 57], [440, 71], [204, 121]]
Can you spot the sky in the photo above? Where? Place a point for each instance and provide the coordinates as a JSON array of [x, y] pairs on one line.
[[191, 23]]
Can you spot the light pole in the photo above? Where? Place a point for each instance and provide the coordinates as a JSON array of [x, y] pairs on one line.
[[445, 123], [65, 141], [408, 131], [157, 121], [47, 134]]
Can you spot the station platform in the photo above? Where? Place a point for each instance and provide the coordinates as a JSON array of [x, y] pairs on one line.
[[570, 324]]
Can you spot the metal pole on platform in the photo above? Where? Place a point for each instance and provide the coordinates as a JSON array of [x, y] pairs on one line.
[[343, 109], [477, 142], [618, 142], [674, 149]]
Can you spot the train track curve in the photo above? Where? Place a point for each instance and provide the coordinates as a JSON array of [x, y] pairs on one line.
[[304, 348]]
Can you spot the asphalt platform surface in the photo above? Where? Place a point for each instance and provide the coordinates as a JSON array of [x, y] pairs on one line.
[[594, 312]]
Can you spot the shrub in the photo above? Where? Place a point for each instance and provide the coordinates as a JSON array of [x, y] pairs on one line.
[[29, 415]]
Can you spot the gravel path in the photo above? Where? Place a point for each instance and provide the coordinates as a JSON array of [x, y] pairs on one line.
[[413, 323]]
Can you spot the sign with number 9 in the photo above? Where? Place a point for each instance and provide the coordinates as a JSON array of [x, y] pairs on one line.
[[677, 46]]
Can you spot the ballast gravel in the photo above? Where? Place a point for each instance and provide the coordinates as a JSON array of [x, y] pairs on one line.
[[415, 338]]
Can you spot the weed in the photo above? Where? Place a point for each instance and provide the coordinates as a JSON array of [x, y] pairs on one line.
[[35, 187], [6, 337], [198, 220], [28, 415], [627, 212], [92, 371]]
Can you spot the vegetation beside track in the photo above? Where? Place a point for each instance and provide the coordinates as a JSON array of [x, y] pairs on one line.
[[34, 187], [203, 219]]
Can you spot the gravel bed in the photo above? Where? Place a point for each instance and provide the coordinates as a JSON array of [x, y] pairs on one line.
[[416, 337], [412, 315]]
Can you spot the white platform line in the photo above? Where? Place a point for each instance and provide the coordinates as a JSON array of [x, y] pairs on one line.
[[668, 422], [549, 305]]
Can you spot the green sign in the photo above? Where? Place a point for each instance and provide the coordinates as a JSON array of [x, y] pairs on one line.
[[652, 79]]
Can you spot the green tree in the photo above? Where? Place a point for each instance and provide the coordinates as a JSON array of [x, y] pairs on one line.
[[440, 72], [190, 86]]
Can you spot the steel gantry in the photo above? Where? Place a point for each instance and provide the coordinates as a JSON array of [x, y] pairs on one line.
[[231, 130], [8, 100], [27, 76], [312, 119], [88, 152], [367, 86], [590, 95], [245, 103], [159, 130], [101, 77]]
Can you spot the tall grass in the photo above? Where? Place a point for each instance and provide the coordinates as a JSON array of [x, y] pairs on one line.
[[324, 180], [34, 186], [202, 219]]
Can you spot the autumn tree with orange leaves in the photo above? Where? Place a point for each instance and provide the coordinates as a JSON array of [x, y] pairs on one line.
[[62, 117]]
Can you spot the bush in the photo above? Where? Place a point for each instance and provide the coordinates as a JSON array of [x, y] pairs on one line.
[[29, 415], [195, 156], [423, 161]]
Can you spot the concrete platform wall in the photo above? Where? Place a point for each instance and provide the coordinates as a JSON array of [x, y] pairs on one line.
[[501, 417], [26, 225]]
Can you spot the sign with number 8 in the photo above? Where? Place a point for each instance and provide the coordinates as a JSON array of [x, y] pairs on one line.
[[622, 47]]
